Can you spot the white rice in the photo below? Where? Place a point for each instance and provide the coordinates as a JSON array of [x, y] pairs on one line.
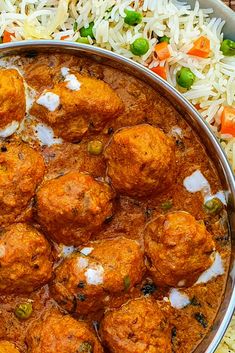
[[215, 76], [228, 343]]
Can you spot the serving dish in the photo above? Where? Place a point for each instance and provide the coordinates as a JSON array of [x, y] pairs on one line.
[[212, 146]]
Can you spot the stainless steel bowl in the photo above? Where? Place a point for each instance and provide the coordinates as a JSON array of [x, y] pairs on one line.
[[222, 11], [211, 144]]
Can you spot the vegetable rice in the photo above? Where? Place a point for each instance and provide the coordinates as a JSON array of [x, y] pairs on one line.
[[228, 343], [212, 83]]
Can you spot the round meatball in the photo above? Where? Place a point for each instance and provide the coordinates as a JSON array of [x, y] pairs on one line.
[[89, 104], [57, 333], [179, 249], [140, 160], [138, 326], [83, 282], [72, 207], [8, 347], [12, 100], [21, 170], [25, 263]]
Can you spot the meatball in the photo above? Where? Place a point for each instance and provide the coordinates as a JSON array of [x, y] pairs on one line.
[[25, 263], [8, 347], [12, 101], [57, 333], [138, 326], [72, 207], [179, 249], [82, 283], [82, 103], [21, 170], [140, 160]]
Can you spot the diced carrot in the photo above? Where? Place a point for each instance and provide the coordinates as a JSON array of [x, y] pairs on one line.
[[197, 106], [201, 48], [160, 71], [162, 51], [64, 37], [228, 121], [7, 37]]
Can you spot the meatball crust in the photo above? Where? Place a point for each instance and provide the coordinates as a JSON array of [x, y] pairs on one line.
[[12, 97], [56, 333], [21, 170], [8, 347], [139, 326], [112, 266], [140, 160], [72, 207], [91, 106], [25, 262], [179, 249]]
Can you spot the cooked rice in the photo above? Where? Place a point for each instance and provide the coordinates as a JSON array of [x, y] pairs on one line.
[[228, 343], [215, 84]]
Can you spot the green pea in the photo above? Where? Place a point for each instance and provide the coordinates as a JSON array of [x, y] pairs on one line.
[[167, 205], [85, 32], [95, 147], [127, 282], [85, 347], [185, 77], [164, 39], [23, 311], [132, 18], [228, 47], [213, 206], [83, 40], [140, 46]]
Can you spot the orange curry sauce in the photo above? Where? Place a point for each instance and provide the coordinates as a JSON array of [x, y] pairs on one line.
[[142, 105]]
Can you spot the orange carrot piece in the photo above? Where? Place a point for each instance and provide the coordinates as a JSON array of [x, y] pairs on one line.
[[197, 106], [228, 121], [201, 48], [160, 71], [7, 37], [64, 37], [162, 51]]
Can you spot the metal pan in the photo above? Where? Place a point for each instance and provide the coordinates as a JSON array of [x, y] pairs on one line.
[[210, 142], [222, 11]]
